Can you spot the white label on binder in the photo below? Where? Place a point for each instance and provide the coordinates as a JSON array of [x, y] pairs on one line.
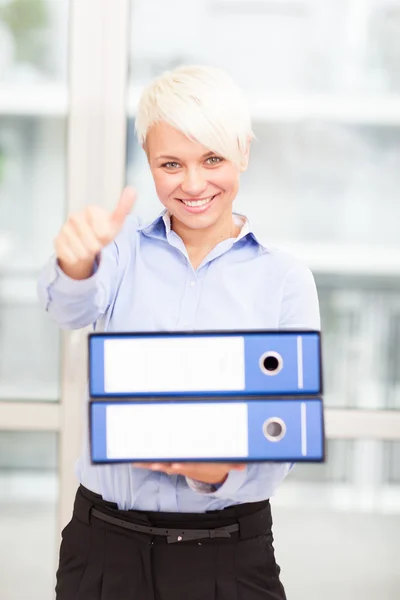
[[174, 364], [161, 431]]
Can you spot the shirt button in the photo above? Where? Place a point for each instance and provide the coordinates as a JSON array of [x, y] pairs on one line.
[[192, 283]]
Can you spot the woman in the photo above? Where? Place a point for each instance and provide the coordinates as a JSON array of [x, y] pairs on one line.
[[197, 266]]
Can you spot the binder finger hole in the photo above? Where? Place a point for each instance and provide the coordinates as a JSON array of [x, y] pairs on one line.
[[271, 363], [274, 429]]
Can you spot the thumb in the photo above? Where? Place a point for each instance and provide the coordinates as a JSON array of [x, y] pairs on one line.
[[124, 207]]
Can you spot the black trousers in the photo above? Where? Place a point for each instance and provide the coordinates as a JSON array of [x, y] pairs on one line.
[[103, 561]]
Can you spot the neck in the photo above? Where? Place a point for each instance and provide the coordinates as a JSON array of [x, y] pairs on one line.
[[199, 242]]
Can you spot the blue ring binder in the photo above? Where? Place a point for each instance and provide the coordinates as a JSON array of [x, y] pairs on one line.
[[124, 431], [298, 354], [256, 397]]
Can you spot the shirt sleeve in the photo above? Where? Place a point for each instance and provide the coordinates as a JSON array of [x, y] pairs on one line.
[[300, 306], [299, 309]]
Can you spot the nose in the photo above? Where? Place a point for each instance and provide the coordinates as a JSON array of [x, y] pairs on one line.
[[194, 183]]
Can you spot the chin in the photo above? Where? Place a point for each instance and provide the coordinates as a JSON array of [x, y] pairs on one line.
[[196, 221]]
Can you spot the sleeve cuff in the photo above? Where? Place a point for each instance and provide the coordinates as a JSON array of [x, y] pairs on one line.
[[200, 487], [228, 489], [66, 284]]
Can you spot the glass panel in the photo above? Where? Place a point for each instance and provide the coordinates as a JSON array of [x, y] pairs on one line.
[[361, 342], [33, 41], [290, 45], [328, 178], [392, 463], [29, 345], [337, 525], [28, 509], [33, 127], [32, 205]]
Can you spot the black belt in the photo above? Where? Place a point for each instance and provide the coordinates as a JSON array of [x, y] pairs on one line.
[[249, 520], [172, 535]]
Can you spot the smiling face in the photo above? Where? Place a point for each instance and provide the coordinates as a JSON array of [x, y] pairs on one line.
[[195, 185]]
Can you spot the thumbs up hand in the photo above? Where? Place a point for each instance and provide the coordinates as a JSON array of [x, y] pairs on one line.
[[86, 232]]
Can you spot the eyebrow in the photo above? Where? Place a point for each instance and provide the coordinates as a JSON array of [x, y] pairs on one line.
[[167, 157]]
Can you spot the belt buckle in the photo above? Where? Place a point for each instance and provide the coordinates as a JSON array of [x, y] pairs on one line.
[[185, 536]]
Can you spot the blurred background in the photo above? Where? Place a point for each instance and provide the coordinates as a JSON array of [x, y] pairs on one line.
[[323, 80]]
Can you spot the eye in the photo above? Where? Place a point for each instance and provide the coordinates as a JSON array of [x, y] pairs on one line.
[[214, 160], [171, 165]]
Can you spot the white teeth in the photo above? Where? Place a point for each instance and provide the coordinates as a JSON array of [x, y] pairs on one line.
[[197, 202]]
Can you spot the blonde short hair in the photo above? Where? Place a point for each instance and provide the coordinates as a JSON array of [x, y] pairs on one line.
[[202, 102]]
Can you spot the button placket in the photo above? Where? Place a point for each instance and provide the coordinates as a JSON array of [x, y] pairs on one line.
[[189, 302]]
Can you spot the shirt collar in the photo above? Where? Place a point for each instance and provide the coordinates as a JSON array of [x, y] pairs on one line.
[[160, 227]]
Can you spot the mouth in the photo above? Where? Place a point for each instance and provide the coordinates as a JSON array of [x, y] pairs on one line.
[[198, 205]]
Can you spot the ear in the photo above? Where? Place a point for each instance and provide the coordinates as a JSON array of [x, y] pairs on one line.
[[246, 156]]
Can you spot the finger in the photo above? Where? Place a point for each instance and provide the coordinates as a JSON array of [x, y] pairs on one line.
[[124, 207], [74, 243], [165, 468], [209, 465], [193, 470], [153, 466], [64, 253], [86, 234], [101, 225], [188, 466], [158, 466]]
